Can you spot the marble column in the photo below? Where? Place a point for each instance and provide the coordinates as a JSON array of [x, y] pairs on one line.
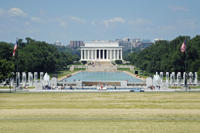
[[95, 56], [114, 55], [117, 54], [106, 54], [81, 54], [92, 54], [86, 54], [121, 54], [110, 54], [89, 54]]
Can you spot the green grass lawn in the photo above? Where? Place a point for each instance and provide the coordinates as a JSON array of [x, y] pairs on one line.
[[124, 69], [100, 112], [66, 72]]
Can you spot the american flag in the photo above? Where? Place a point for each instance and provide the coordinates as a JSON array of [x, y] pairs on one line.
[[15, 47], [183, 47]]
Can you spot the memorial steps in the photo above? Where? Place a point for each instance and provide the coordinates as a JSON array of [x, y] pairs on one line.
[[103, 66]]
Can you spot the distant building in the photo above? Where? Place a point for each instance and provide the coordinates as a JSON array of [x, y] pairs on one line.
[[101, 51], [125, 43], [58, 43], [76, 44], [128, 43]]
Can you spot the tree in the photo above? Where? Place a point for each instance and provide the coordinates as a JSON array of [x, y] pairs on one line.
[[6, 67], [166, 56], [33, 56]]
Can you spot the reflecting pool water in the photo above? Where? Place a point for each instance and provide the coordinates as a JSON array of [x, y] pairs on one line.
[[102, 77]]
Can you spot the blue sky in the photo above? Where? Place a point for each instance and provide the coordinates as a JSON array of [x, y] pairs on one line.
[[65, 20]]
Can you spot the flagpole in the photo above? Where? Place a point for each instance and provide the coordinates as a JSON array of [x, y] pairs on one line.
[[185, 70], [186, 75], [184, 50], [16, 61]]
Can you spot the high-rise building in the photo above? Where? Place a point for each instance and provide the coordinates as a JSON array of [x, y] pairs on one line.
[[75, 44]]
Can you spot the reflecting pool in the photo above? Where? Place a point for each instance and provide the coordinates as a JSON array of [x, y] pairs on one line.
[[102, 77]]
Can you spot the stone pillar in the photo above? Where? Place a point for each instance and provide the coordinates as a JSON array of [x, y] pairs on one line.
[[110, 54], [114, 55], [23, 78], [41, 76], [106, 54], [92, 53], [95, 56], [121, 55], [117, 54], [81, 54], [89, 51], [84, 54], [99, 54], [87, 54]]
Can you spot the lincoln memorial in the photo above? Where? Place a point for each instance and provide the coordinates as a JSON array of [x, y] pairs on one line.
[[101, 51]]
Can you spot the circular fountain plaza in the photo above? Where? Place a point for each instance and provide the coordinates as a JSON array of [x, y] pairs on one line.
[[102, 75]]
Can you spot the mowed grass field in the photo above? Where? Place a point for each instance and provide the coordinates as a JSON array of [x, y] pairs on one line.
[[100, 112]]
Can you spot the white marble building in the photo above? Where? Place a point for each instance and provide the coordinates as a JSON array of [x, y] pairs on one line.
[[101, 51]]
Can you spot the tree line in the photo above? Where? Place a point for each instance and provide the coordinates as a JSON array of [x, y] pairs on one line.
[[165, 56], [33, 56]]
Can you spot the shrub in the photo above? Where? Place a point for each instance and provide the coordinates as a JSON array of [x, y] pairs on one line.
[[84, 62], [118, 61]]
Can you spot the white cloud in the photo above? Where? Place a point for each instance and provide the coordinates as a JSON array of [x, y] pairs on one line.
[[1, 11], [16, 12], [94, 23], [77, 19], [113, 20], [62, 23], [140, 21], [37, 20], [178, 8]]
